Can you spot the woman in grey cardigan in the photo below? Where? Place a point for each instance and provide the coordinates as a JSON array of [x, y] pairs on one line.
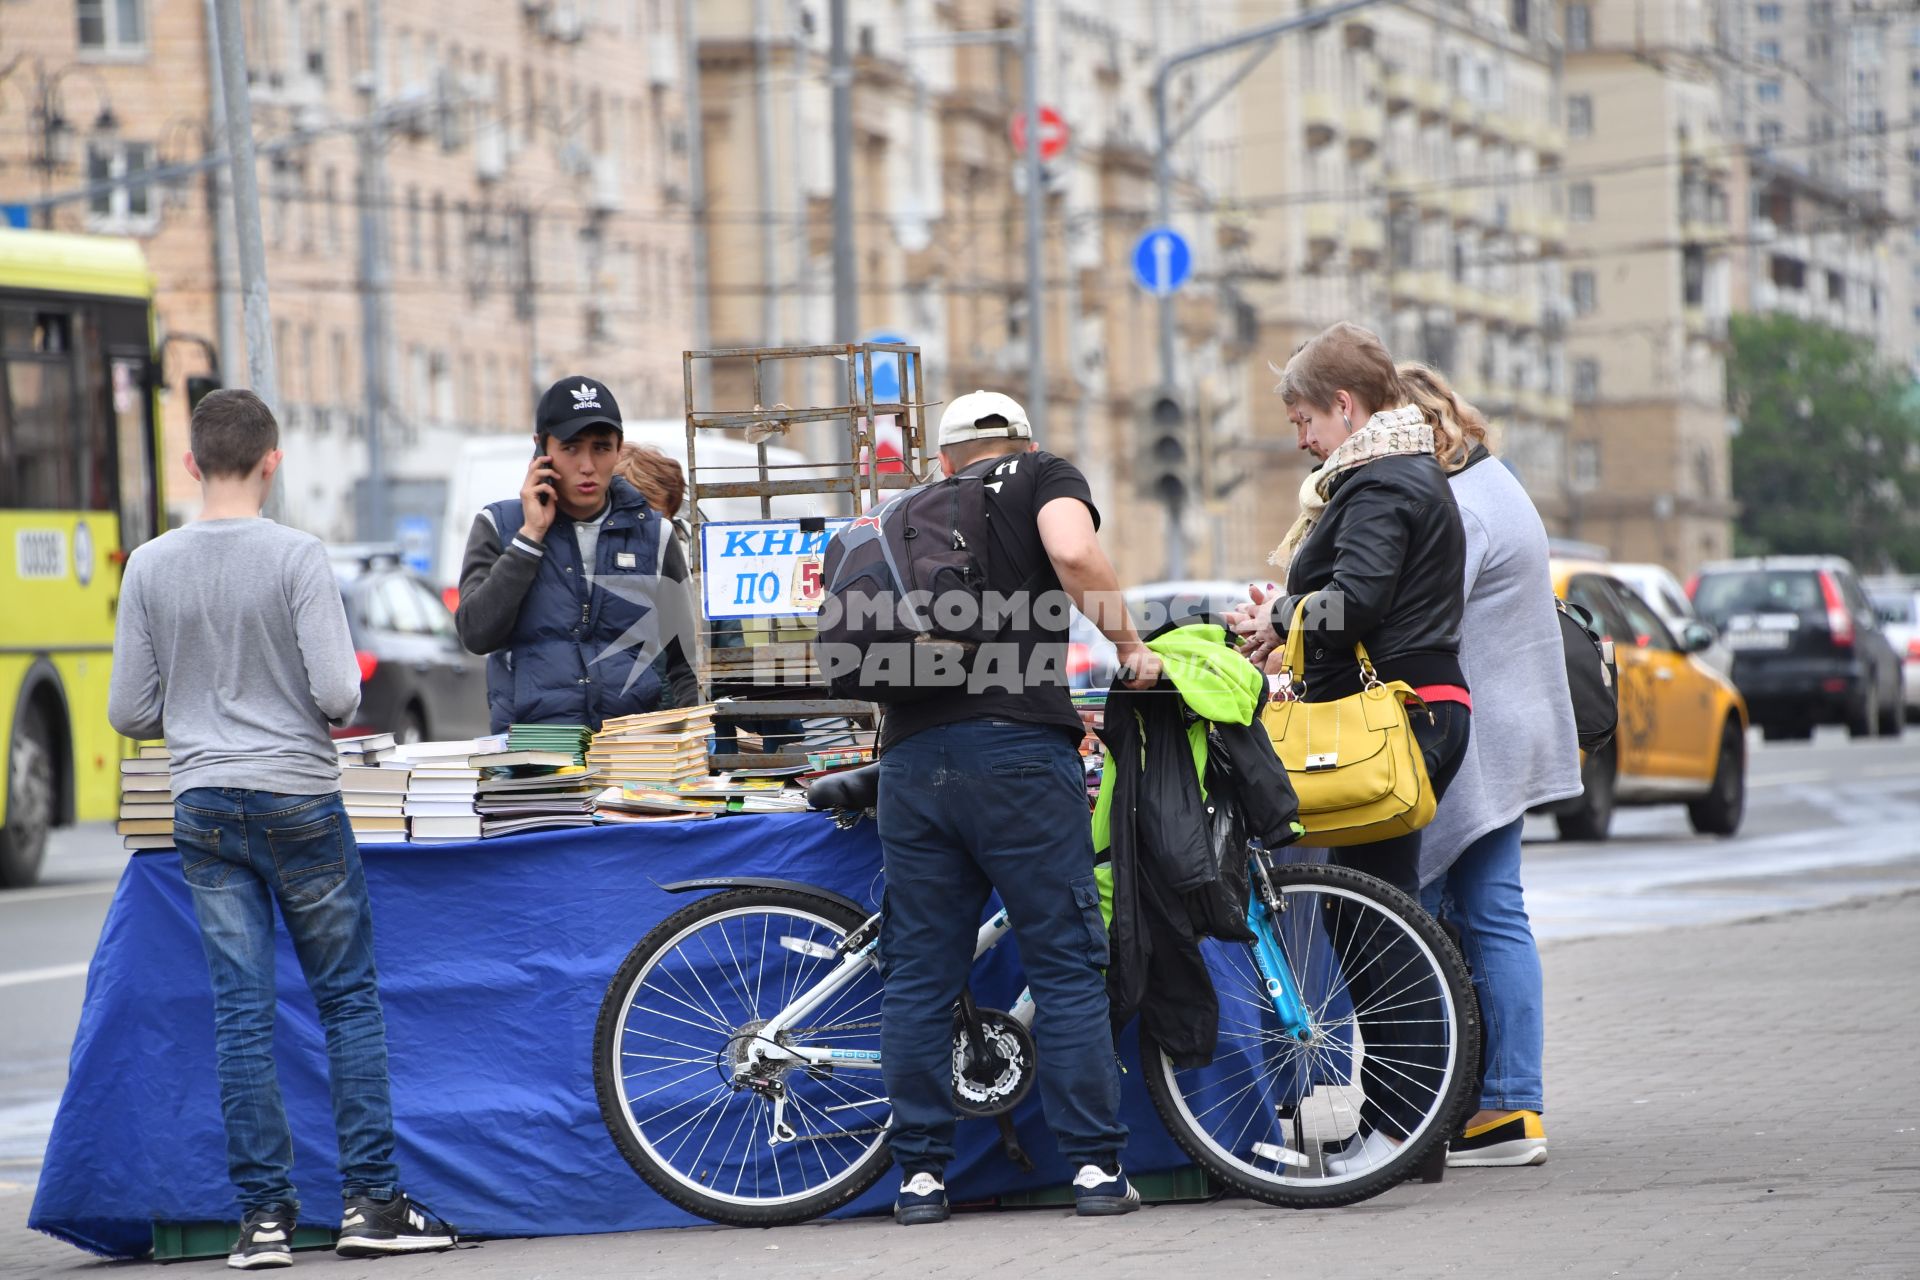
[[1523, 753]]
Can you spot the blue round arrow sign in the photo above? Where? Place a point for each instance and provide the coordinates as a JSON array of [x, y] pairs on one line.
[[1162, 261]]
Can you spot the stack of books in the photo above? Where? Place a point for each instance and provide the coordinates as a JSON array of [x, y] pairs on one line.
[[368, 749], [530, 789], [441, 786], [570, 738], [376, 798], [747, 794], [652, 804], [660, 749], [146, 800]]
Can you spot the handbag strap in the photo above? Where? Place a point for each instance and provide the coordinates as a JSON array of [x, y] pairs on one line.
[[1294, 659]]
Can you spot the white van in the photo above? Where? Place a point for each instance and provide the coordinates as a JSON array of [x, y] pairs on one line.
[[489, 468]]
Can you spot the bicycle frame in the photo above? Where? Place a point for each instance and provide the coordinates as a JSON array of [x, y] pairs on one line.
[[766, 1052]]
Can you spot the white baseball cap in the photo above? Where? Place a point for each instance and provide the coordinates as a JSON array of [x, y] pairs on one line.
[[960, 421]]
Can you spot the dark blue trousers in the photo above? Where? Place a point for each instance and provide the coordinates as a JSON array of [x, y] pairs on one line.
[[967, 809]]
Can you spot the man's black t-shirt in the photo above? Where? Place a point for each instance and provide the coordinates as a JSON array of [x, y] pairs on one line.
[[1022, 673]]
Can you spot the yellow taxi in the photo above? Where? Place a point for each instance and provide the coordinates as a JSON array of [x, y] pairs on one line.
[[1682, 736]]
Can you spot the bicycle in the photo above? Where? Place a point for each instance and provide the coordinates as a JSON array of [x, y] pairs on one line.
[[737, 1051]]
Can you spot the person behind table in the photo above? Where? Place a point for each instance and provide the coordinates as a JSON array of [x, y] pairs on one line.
[[981, 789], [1378, 557], [232, 644], [576, 586], [1523, 753]]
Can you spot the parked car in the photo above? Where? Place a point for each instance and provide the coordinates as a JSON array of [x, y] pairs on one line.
[[1897, 601], [1662, 591], [1808, 648], [1682, 733], [417, 682], [1090, 656]]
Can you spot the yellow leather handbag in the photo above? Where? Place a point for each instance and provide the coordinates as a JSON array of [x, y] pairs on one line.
[[1354, 763]]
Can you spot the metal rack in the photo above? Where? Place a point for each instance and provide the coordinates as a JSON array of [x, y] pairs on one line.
[[737, 657]]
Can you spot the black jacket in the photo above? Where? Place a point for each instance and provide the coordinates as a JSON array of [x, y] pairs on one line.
[[1179, 859], [1390, 553]]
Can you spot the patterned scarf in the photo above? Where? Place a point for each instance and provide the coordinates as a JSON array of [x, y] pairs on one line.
[[1389, 433]]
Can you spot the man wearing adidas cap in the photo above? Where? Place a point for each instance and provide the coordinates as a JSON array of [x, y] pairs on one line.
[[573, 588], [982, 790]]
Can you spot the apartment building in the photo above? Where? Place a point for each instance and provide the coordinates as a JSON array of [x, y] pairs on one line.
[[939, 217], [532, 217], [1823, 93], [1652, 175], [1400, 168]]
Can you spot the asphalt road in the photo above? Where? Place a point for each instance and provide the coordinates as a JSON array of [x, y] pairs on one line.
[[1829, 821]]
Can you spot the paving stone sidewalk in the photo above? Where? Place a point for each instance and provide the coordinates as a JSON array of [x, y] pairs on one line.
[[1738, 1100]]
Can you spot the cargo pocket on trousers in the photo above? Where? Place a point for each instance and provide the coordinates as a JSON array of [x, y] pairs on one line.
[[1086, 896], [311, 860]]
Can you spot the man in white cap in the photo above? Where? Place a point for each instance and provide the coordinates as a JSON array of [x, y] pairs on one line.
[[982, 790]]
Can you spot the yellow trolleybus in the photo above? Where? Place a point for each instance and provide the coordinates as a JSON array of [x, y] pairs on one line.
[[79, 489]]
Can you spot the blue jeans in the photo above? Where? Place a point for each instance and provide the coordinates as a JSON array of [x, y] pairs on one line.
[[241, 851], [1480, 896], [966, 809]]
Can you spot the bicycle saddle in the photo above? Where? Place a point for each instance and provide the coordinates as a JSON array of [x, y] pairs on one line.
[[852, 789]]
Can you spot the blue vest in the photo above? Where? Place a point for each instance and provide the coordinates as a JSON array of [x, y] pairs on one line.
[[579, 652]]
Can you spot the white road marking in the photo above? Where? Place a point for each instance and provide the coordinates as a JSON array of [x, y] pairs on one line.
[[53, 973], [11, 897]]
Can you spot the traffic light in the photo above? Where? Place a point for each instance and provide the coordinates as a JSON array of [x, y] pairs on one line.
[[1164, 460]]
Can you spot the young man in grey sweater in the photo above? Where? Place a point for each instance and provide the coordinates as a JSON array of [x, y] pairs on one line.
[[232, 644]]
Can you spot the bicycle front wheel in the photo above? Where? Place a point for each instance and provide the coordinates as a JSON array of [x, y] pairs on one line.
[[674, 1030], [1382, 1082]]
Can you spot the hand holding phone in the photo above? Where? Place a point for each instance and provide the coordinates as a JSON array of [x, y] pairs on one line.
[[536, 498]]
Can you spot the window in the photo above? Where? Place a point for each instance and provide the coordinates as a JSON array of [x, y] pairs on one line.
[[1769, 91], [1579, 26], [1693, 275], [1767, 51], [414, 249], [1787, 273], [1648, 631], [1580, 201], [1579, 115], [112, 26], [129, 204], [1583, 294], [1586, 468], [330, 197], [1836, 287], [1767, 12], [439, 234], [342, 379], [1522, 16], [1586, 380], [1769, 133]]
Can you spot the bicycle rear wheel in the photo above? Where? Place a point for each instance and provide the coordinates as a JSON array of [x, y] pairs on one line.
[[675, 1024], [1384, 1081]]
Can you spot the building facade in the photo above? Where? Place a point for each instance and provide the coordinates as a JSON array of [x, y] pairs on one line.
[[1652, 190], [478, 197], [1822, 93], [939, 218], [1400, 168]]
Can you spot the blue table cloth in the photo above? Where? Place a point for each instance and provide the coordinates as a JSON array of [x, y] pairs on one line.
[[493, 958]]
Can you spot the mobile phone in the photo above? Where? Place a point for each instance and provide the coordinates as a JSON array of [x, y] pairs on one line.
[[545, 499]]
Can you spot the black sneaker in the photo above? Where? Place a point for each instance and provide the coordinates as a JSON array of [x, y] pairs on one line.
[[1099, 1194], [266, 1240], [370, 1228], [922, 1199]]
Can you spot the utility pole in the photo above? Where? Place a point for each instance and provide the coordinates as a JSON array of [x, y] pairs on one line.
[[375, 520], [763, 169], [226, 267], [1036, 201], [246, 216], [846, 305], [697, 193]]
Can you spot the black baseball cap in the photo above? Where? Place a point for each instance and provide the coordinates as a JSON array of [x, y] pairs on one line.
[[571, 405]]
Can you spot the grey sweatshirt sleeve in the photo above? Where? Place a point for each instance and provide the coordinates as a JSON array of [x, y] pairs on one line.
[[493, 582], [326, 646], [683, 687], [136, 695]]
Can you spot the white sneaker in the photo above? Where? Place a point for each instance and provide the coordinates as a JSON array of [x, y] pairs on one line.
[[1361, 1153]]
